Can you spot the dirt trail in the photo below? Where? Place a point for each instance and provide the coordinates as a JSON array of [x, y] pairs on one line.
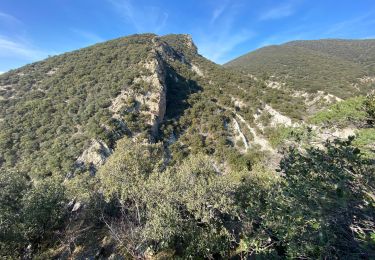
[[238, 129], [264, 144]]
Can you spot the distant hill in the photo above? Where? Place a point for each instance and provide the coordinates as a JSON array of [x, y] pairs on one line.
[[358, 51], [339, 67]]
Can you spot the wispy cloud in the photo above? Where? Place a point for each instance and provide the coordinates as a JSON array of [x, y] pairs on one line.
[[359, 26], [19, 49], [218, 11], [146, 18], [276, 39], [218, 48], [369, 37], [11, 43], [87, 36], [10, 19], [225, 35], [14, 43], [278, 12]]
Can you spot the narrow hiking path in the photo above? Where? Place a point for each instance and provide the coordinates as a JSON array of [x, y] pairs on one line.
[[262, 142], [241, 134], [257, 139]]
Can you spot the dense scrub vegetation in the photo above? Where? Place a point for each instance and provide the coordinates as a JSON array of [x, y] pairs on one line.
[[311, 210], [192, 190], [358, 51], [351, 111], [56, 106], [333, 66], [355, 113]]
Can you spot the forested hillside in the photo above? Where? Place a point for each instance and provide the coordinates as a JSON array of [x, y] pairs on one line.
[[340, 67], [358, 51], [140, 148]]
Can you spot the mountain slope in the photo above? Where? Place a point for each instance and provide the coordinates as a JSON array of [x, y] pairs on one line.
[[57, 106], [141, 148], [339, 67], [358, 51], [77, 105]]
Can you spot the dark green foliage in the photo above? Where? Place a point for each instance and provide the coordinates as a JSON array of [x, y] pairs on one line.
[[326, 206], [346, 113], [358, 51], [369, 107], [189, 208], [13, 188], [185, 208], [28, 213], [327, 65], [43, 209], [56, 106], [321, 206]]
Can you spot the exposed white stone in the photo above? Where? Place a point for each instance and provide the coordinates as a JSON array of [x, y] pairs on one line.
[[77, 206], [5, 87], [196, 70], [315, 98], [119, 101], [367, 80], [52, 71], [96, 154], [257, 139], [240, 134], [155, 99], [279, 119], [237, 102], [274, 84], [336, 133]]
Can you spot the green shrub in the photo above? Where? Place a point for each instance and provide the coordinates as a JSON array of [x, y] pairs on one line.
[[13, 187], [43, 209], [343, 113]]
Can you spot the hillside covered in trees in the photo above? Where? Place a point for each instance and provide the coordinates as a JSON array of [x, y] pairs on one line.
[[140, 148], [339, 67]]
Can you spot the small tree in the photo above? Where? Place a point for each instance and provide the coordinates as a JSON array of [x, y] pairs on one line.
[[369, 106], [43, 209], [13, 187]]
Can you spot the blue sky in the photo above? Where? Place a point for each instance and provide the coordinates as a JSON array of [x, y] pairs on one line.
[[222, 29]]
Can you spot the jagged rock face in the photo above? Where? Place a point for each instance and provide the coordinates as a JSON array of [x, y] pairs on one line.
[[182, 44], [157, 79], [155, 98], [189, 42]]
